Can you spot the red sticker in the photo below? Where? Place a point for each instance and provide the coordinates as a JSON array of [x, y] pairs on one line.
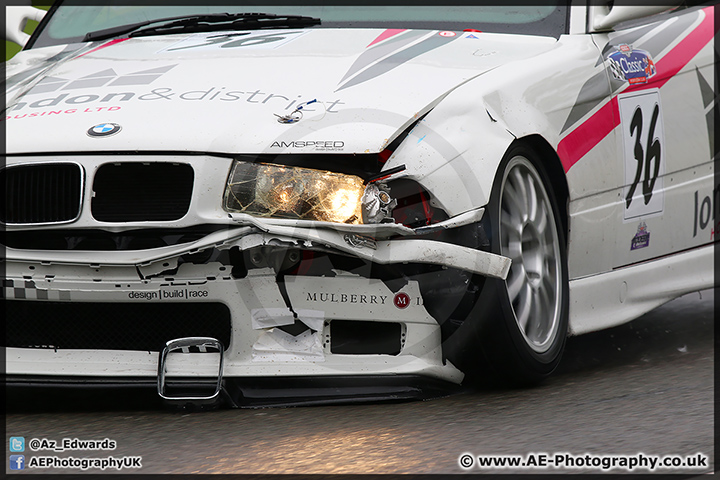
[[447, 34], [401, 300]]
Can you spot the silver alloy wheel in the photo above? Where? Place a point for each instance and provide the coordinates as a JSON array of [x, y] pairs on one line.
[[528, 235]]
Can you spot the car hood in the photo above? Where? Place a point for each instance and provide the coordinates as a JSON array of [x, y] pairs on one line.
[[225, 93]]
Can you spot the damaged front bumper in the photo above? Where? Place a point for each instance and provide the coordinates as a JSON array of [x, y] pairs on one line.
[[271, 292]]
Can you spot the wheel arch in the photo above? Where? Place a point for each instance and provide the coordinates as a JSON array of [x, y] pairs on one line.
[[555, 171]]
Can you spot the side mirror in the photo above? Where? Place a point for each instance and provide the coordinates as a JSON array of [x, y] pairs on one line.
[[15, 20], [603, 18]]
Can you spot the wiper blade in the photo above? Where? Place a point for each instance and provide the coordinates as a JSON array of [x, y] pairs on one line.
[[205, 23], [123, 29], [236, 21]]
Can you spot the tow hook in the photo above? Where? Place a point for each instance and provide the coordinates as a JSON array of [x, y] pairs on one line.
[[191, 391]]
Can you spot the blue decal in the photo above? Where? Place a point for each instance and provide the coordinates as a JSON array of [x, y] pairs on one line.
[[631, 65], [641, 238]]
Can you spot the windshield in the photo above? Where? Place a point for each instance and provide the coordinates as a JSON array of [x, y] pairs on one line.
[[69, 23]]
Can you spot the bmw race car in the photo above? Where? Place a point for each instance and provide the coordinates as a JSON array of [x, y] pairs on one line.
[[282, 204]]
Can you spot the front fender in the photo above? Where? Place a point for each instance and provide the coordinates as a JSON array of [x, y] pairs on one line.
[[454, 151]]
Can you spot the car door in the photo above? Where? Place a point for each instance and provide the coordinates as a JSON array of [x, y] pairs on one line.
[[661, 76]]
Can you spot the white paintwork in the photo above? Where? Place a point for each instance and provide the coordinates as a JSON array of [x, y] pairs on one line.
[[476, 96], [252, 85], [614, 298], [603, 17], [421, 353]]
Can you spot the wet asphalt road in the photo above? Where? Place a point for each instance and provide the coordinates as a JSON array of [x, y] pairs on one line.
[[646, 386]]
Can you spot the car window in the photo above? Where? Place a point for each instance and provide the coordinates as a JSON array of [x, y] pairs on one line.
[[69, 23]]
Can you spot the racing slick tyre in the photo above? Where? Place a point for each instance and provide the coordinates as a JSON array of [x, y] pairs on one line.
[[525, 335]]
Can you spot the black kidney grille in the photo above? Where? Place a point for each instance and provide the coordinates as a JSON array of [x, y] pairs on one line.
[[139, 192], [43, 193], [112, 326]]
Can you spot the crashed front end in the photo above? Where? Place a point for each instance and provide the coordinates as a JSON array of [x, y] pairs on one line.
[[250, 279]]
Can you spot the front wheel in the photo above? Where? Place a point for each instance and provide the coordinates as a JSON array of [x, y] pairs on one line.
[[526, 339]]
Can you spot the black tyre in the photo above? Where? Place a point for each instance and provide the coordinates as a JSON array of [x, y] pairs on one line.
[[525, 339]]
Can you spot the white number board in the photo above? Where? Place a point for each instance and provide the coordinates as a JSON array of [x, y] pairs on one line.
[[643, 152]]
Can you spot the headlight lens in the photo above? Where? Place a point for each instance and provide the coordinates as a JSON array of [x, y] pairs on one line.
[[293, 192]]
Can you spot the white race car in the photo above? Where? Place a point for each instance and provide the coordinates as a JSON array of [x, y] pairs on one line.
[[277, 205]]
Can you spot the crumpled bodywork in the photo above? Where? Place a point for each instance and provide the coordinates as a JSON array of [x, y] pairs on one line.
[[317, 201], [368, 294], [285, 297]]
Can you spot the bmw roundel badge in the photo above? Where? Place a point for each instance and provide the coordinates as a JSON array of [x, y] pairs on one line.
[[104, 130]]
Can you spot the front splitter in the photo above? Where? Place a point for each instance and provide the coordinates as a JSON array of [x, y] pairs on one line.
[[248, 392]]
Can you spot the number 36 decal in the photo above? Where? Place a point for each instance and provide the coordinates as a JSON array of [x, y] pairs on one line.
[[643, 153]]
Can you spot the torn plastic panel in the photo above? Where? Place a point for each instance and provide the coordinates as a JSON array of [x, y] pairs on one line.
[[440, 259], [109, 241], [387, 251], [273, 277]]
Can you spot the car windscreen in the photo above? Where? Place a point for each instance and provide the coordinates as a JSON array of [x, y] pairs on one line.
[[68, 23]]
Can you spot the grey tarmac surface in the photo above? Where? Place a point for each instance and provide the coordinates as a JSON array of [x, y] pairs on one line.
[[644, 387]]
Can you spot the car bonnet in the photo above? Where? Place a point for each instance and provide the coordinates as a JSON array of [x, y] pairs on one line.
[[269, 91]]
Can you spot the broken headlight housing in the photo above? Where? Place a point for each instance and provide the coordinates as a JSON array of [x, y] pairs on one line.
[[268, 190]]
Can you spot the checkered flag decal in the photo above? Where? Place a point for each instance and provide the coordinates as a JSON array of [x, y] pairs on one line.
[[27, 290]]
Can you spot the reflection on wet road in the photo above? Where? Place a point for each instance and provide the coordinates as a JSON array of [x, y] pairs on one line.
[[646, 386]]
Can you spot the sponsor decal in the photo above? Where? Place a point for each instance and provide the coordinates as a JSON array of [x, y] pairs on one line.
[[600, 124], [107, 77], [68, 111], [174, 294], [104, 90], [104, 130], [706, 213], [447, 34], [634, 66], [358, 298], [161, 94], [401, 300], [641, 238], [324, 145]]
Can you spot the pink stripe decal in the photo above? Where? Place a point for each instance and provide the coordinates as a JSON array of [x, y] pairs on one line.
[[584, 138], [580, 141], [105, 45], [391, 32], [678, 57]]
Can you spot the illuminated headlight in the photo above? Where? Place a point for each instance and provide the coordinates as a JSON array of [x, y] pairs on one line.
[[294, 192]]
